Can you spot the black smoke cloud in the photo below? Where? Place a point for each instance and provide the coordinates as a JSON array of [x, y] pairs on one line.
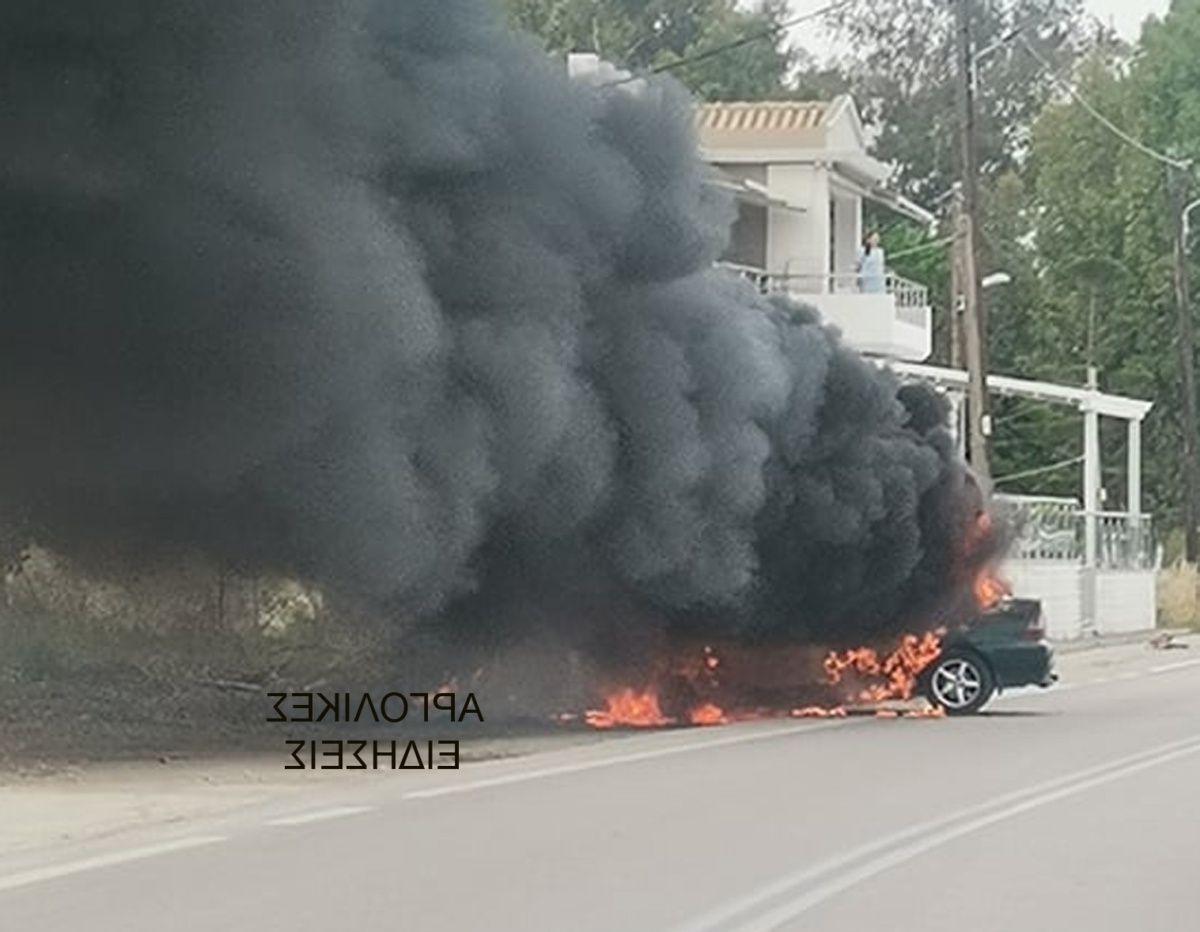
[[372, 293]]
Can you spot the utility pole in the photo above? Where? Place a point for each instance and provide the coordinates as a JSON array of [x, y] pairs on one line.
[[957, 354], [1187, 365], [974, 333]]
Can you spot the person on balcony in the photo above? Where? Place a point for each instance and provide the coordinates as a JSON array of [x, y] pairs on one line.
[[872, 274]]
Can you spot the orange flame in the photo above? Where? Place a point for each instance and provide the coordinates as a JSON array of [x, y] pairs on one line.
[[708, 714], [895, 674], [990, 589], [899, 669], [630, 708], [816, 711]]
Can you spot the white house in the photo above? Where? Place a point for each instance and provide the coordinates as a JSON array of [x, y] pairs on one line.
[[800, 172]]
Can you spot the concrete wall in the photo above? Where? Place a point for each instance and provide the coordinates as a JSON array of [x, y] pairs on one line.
[[1127, 599], [868, 322], [748, 241], [847, 232], [1059, 586], [746, 172], [798, 243]]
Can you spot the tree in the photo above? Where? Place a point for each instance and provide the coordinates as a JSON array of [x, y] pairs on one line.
[[1166, 81], [904, 75], [1102, 204], [652, 34]]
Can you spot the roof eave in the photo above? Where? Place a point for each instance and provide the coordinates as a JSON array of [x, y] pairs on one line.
[[902, 205], [749, 193], [873, 186]]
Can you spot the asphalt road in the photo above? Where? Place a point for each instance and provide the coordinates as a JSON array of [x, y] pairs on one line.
[[1074, 808]]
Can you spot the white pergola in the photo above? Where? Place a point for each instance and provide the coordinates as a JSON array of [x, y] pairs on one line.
[[1093, 404]]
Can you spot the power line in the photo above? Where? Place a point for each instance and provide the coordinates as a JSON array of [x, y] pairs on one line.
[[1041, 470], [717, 50], [924, 247], [1100, 117]]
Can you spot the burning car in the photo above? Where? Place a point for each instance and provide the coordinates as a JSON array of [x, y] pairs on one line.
[[984, 641], [1004, 647], [956, 669]]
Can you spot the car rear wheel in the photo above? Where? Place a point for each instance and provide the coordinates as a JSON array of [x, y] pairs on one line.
[[959, 682]]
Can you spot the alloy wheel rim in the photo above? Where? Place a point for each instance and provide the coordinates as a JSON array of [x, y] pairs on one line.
[[957, 683]]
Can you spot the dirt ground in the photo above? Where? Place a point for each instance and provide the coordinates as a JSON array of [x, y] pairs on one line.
[[58, 725], [100, 754]]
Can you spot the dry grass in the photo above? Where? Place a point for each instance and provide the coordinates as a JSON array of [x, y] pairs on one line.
[[187, 620], [172, 661], [1179, 596]]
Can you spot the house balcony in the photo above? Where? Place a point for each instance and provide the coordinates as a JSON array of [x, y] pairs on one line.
[[896, 323]]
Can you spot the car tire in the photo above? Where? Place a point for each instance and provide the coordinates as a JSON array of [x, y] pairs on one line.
[[958, 682]]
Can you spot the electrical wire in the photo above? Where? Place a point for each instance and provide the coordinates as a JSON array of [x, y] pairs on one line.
[[1100, 117], [924, 247], [1041, 470], [713, 52]]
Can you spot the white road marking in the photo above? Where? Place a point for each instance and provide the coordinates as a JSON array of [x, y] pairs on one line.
[[789, 911], [1172, 667], [1126, 677], [42, 874], [323, 815], [1040, 794], [584, 766]]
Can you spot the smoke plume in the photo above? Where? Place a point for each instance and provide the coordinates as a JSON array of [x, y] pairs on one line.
[[370, 292]]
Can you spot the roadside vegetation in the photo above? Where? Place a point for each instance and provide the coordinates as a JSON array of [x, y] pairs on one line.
[[180, 657]]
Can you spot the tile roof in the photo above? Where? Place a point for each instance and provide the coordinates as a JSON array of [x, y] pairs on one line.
[[763, 115]]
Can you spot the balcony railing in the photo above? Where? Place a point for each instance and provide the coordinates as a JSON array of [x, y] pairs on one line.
[[912, 300], [757, 277], [1055, 530]]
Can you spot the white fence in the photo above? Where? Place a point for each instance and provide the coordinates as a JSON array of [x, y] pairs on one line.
[[911, 299], [1048, 561], [1055, 530]]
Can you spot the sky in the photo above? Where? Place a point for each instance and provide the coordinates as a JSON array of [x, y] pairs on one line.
[[1125, 16]]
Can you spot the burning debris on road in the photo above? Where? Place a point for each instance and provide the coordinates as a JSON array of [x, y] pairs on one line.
[[861, 677], [899, 669], [372, 294]]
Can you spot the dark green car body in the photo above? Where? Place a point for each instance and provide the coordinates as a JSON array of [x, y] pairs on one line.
[[1002, 648]]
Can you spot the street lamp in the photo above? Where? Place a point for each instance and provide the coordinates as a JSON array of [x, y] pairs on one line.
[[1187, 349], [1187, 213], [1017, 32], [962, 427]]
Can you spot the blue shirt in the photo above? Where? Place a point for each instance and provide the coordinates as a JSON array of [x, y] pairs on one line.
[[872, 271]]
